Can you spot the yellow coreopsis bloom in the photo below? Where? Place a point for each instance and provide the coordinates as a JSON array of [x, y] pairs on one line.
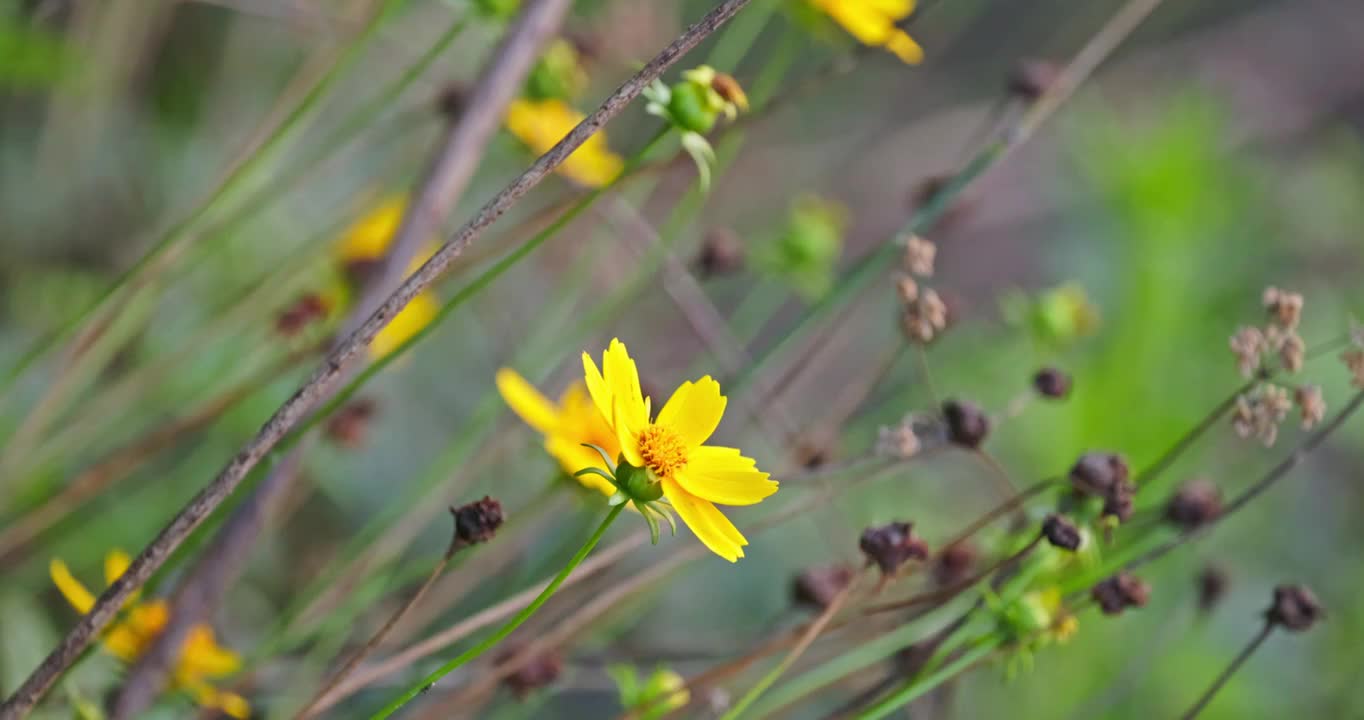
[[669, 450], [873, 22], [566, 425], [541, 124], [200, 658], [365, 242]]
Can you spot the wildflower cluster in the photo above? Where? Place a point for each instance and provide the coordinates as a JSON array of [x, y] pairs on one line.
[[1260, 411]]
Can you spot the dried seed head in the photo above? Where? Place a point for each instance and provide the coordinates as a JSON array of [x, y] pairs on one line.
[[898, 441], [1120, 592], [534, 673], [307, 309], [722, 253], [967, 424], [906, 289], [451, 101], [1061, 532], [1097, 473], [891, 545], [919, 256], [1311, 405], [1292, 352], [1212, 587], [954, 563], [1259, 413], [1050, 382], [814, 451], [925, 316], [478, 521], [728, 88], [1354, 362], [1295, 608], [1285, 308], [816, 587], [349, 427], [1195, 505], [1248, 344], [1030, 78], [1119, 503]]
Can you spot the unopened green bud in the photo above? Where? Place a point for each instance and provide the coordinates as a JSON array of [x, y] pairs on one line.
[[691, 109], [637, 483]]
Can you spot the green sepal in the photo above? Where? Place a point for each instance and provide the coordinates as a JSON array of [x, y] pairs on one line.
[[605, 457], [649, 518]]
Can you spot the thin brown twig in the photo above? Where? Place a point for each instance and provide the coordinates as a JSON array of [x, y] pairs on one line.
[[451, 168]]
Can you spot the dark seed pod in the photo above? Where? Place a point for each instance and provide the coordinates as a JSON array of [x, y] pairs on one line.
[[478, 521], [1195, 505], [891, 545], [1050, 382], [1120, 592], [1061, 532], [1295, 608], [967, 424]]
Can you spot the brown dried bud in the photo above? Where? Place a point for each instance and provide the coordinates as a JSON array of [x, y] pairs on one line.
[[1293, 352], [816, 587], [306, 310], [1120, 592], [814, 452], [1295, 608], [1212, 587], [451, 101], [722, 252], [1354, 362], [1050, 382], [891, 545], [1284, 307], [919, 255], [1061, 532], [954, 563], [967, 424], [349, 427], [533, 673], [1097, 473], [728, 88], [1120, 502], [1195, 505], [478, 521], [1311, 405], [1030, 78]]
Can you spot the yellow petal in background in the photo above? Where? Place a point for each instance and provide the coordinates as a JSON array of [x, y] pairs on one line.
[[408, 322], [71, 588], [369, 237], [527, 402]]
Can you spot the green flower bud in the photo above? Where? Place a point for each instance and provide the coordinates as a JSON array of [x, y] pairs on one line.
[[691, 109], [637, 483]]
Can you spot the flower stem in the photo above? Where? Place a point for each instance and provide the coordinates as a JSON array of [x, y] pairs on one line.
[[1231, 670], [506, 629]]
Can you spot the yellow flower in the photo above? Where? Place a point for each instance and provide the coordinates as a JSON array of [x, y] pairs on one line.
[[873, 22], [541, 124], [566, 426], [365, 242], [200, 658], [692, 476]]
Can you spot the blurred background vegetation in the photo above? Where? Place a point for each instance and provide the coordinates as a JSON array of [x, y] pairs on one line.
[[1218, 152]]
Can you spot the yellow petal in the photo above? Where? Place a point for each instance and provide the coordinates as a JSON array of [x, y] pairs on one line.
[[622, 378], [628, 436], [711, 527], [694, 410], [116, 563], [234, 705], [905, 48], [597, 388], [201, 654], [894, 9], [71, 588], [368, 238], [123, 642], [526, 401], [573, 457], [722, 475], [408, 322]]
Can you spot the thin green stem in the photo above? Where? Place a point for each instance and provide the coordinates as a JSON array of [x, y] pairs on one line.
[[916, 688], [506, 629]]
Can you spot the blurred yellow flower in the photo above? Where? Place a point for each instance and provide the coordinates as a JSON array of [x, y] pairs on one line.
[[566, 425], [364, 243], [200, 658], [541, 124], [873, 22], [670, 450]]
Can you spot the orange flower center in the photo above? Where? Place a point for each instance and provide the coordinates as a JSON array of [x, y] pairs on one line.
[[663, 451]]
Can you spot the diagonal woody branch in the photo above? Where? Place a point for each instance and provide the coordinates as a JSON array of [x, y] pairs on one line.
[[311, 394]]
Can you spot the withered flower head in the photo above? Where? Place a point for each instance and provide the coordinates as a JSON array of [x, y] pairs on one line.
[[1295, 608], [919, 256], [1259, 412], [898, 441], [967, 424], [306, 310], [1195, 505], [925, 316], [1120, 592], [478, 521], [1050, 382], [1061, 532], [1120, 502], [349, 427], [891, 545], [816, 587], [1285, 308], [1097, 473], [535, 673], [1311, 405], [1354, 362], [451, 101], [1247, 345], [954, 563], [1212, 587], [722, 253], [906, 289], [1030, 78]]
